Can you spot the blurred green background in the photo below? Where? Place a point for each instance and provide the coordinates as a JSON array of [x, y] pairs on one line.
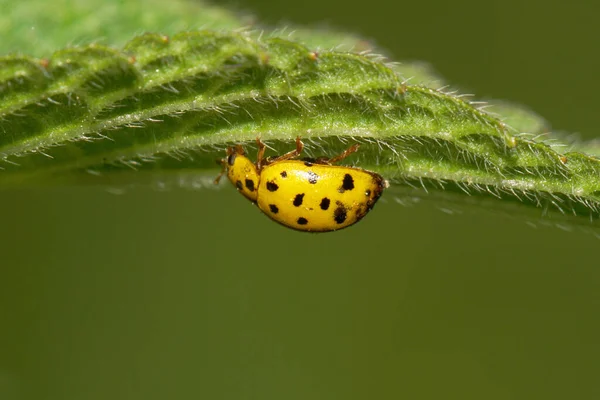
[[194, 294]]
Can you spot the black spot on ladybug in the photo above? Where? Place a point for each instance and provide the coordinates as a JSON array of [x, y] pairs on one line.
[[302, 221], [298, 200], [283, 174], [368, 193], [238, 184], [339, 215], [250, 185], [308, 163], [273, 208], [312, 177], [325, 203], [272, 186], [347, 183]]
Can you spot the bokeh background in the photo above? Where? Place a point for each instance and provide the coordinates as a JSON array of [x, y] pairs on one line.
[[194, 294]]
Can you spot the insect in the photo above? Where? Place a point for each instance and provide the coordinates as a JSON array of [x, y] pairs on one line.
[[305, 194]]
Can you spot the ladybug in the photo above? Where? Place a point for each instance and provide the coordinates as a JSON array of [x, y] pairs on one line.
[[310, 195]]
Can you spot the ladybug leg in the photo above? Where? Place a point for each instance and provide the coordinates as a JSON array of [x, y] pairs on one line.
[[223, 161], [261, 153], [224, 168], [346, 153], [291, 154]]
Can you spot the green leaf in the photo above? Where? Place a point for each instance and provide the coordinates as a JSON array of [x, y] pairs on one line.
[[164, 109], [38, 28]]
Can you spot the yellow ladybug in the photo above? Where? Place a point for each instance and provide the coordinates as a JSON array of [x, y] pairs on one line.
[[307, 195]]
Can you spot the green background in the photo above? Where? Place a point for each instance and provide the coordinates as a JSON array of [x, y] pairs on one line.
[[152, 294]]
